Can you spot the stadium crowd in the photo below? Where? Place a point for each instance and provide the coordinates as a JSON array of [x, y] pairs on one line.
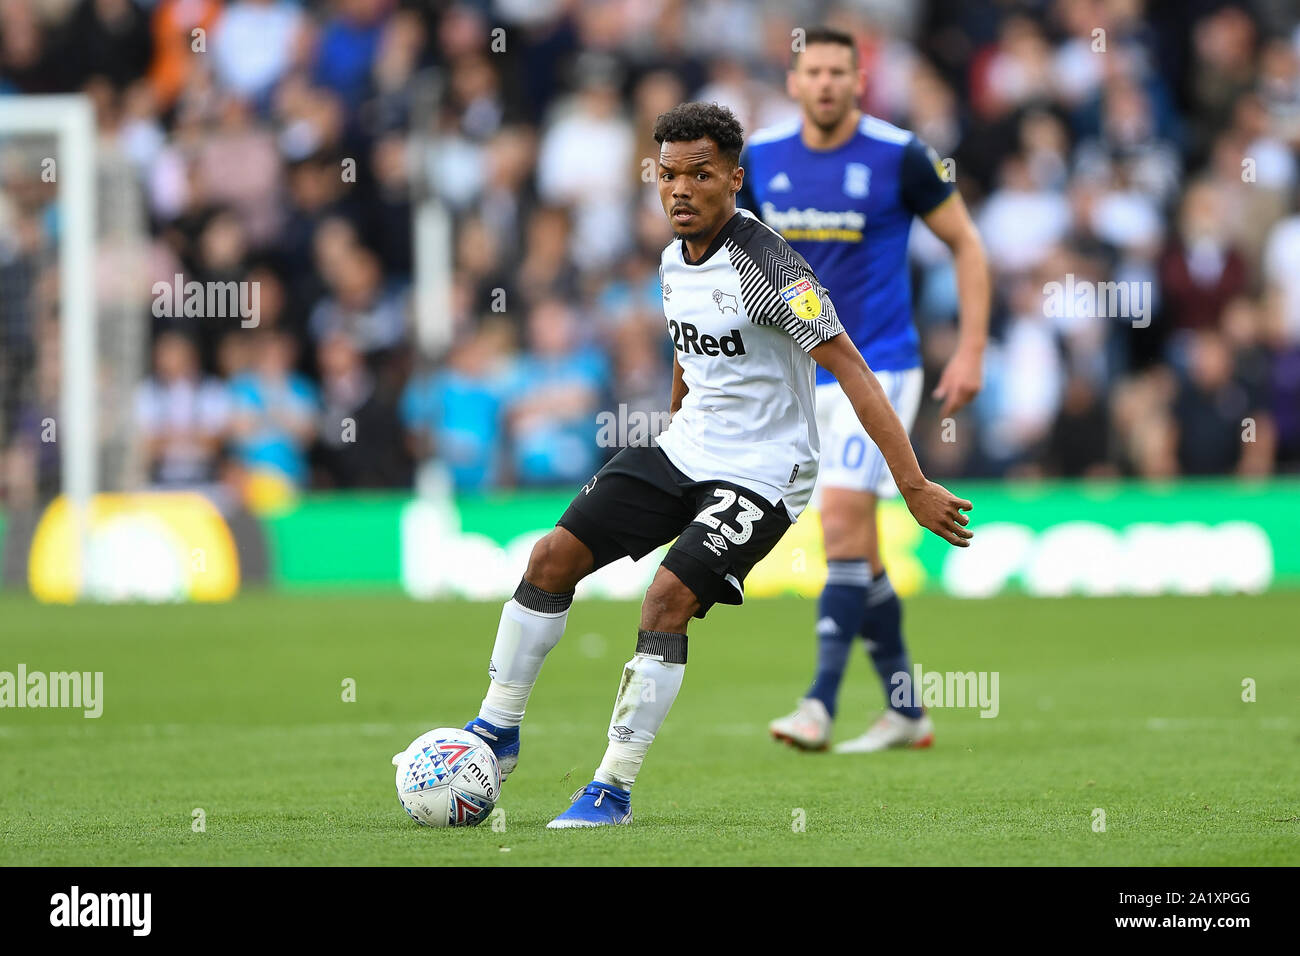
[[1108, 141]]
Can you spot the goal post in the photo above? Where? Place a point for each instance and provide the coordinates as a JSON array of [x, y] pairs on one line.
[[70, 121]]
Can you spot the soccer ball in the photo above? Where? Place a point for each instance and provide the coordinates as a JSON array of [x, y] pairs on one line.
[[448, 778]]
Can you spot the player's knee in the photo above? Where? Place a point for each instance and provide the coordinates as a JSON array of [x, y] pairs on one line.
[[668, 604], [558, 562], [849, 528], [836, 529]]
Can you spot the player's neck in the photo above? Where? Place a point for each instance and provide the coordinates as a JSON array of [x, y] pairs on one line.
[[814, 137], [697, 249]]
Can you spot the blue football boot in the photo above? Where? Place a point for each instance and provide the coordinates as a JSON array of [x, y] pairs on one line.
[[595, 805], [504, 742]]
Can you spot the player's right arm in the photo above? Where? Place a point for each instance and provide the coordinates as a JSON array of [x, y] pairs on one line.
[[679, 388], [932, 505]]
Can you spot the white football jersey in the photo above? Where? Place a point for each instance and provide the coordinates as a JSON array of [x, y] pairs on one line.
[[742, 320]]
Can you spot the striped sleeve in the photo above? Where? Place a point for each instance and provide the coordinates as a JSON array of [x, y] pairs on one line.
[[779, 288]]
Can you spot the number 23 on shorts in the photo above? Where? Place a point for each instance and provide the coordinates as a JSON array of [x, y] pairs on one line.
[[745, 517]]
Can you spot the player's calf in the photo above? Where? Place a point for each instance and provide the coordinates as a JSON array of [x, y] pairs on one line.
[[651, 681], [668, 605], [532, 623], [558, 562]]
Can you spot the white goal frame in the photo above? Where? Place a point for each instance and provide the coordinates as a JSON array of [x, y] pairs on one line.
[[70, 119]]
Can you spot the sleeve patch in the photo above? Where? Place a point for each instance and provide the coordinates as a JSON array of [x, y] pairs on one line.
[[802, 298]]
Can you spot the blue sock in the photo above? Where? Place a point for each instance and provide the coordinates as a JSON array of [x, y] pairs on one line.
[[839, 618], [882, 626]]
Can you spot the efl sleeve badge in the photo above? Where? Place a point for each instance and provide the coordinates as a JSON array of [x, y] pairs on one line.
[[802, 298]]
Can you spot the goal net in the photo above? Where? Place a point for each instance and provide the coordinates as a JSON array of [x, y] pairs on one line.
[[73, 300]]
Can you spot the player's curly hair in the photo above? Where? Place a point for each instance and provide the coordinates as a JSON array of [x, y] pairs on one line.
[[688, 121]]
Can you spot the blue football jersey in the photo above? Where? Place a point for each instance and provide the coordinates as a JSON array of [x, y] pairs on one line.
[[848, 212]]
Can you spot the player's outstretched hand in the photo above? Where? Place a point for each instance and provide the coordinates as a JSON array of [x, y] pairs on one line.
[[938, 509]]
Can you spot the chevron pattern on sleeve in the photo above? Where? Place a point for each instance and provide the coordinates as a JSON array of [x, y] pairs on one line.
[[767, 266]]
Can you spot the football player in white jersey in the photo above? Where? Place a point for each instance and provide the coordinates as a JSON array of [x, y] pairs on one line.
[[734, 468]]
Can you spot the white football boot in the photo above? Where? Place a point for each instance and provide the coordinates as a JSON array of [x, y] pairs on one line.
[[891, 730], [808, 728]]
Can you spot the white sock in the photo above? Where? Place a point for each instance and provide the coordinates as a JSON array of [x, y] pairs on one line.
[[648, 689], [526, 634]]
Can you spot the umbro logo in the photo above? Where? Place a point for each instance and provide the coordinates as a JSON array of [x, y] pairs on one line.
[[725, 301], [624, 733], [715, 543], [780, 183]]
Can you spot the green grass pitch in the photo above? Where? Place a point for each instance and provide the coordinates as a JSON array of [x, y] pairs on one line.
[[1128, 705]]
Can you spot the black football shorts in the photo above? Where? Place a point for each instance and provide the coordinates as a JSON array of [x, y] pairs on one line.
[[640, 501]]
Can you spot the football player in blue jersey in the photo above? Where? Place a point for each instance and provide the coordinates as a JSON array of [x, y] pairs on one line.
[[842, 188]]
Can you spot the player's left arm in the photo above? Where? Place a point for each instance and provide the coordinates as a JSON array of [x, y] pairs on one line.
[[928, 192], [963, 376], [932, 505]]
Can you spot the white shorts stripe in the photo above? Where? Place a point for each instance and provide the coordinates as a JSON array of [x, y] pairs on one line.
[[849, 458]]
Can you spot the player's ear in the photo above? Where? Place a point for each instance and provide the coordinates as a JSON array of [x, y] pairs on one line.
[[791, 88], [737, 179]]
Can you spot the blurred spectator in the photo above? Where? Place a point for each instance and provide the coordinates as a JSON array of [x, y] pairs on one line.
[[1017, 413], [182, 416], [255, 44], [1211, 411], [1017, 71], [26, 63], [1199, 272], [1282, 273], [359, 306], [108, 38], [1079, 445], [558, 389], [360, 442], [174, 27], [345, 52], [1223, 66], [388, 215], [547, 269], [456, 413], [1021, 220], [273, 411], [507, 198], [586, 162]]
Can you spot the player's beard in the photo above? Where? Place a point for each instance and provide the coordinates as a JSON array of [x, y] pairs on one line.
[[691, 235], [830, 125]]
